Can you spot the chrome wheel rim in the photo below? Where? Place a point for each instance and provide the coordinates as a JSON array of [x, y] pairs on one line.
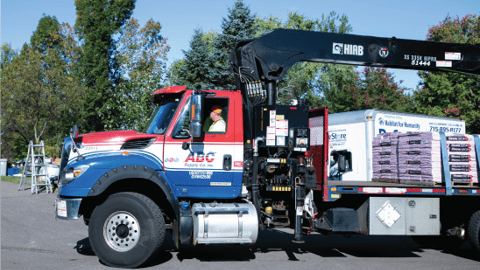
[[121, 231]]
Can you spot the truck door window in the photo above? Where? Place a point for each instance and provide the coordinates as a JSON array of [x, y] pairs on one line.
[[216, 122]]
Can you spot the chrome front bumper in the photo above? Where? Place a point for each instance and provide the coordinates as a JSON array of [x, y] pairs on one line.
[[67, 209]]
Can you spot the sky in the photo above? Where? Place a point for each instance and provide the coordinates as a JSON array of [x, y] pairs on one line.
[[406, 19]]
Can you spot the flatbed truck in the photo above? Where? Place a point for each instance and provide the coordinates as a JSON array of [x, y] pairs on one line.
[[268, 168]]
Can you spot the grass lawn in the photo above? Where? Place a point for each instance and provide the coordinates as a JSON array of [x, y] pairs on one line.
[[16, 180], [12, 179]]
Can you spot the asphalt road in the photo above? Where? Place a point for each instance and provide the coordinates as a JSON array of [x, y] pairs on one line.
[[31, 238]]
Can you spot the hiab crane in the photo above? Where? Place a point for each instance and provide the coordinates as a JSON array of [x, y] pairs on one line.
[[267, 168]]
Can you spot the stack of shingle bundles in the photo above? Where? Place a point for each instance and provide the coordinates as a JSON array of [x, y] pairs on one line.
[[419, 158], [384, 157], [461, 158]]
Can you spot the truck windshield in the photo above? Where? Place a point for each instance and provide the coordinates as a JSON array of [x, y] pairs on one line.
[[162, 117]]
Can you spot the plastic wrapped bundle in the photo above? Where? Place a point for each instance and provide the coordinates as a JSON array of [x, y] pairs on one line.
[[390, 177], [462, 158], [459, 138], [429, 136], [423, 175], [471, 177], [384, 157], [431, 171], [408, 143], [419, 157], [416, 157], [381, 158]]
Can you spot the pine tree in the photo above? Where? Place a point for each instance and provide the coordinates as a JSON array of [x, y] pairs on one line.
[[47, 35], [197, 66], [97, 22], [239, 25]]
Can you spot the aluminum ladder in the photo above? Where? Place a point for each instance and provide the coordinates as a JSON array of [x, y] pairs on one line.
[[35, 169]]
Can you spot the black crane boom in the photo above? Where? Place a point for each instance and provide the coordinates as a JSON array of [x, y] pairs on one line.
[[267, 58]]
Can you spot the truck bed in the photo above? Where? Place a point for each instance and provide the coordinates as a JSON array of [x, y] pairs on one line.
[[336, 189], [385, 184]]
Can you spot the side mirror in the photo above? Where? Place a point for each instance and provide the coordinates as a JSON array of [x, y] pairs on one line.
[[197, 115], [74, 132], [342, 163]]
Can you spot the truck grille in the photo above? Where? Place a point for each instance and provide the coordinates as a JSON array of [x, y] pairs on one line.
[[137, 143]]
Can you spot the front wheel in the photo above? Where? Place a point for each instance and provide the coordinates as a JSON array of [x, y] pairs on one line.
[[126, 230]]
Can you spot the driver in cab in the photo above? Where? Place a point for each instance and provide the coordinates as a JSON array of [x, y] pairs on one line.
[[218, 124]]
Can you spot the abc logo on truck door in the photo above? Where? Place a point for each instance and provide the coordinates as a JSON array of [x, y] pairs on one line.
[[201, 157]]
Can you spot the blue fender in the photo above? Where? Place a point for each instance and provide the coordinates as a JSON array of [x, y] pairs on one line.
[[106, 170]]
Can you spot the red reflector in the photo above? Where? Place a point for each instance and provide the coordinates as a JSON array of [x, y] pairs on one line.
[[438, 190], [293, 108], [463, 191], [414, 190]]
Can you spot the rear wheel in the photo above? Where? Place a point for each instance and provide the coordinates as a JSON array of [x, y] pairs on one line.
[[126, 230], [473, 232]]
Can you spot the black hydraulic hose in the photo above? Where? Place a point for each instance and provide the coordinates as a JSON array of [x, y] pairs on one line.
[[255, 188]]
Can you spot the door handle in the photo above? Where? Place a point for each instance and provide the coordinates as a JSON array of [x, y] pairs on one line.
[[227, 162]]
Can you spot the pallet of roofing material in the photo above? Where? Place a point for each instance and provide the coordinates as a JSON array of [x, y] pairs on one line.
[[384, 157], [462, 171], [419, 159]]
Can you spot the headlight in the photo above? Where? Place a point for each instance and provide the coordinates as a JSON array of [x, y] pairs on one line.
[[71, 174]]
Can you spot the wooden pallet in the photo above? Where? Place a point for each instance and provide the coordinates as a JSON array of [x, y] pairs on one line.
[[385, 180], [420, 183], [463, 184]]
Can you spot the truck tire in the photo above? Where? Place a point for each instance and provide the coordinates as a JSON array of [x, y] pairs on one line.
[[126, 230], [473, 231]]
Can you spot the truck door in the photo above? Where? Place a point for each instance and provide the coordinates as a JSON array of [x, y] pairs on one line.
[[207, 161]]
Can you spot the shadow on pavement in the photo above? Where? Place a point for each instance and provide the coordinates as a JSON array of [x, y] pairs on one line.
[[83, 247], [466, 252], [278, 241]]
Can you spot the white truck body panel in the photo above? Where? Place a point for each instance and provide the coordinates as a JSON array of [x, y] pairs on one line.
[[354, 132]]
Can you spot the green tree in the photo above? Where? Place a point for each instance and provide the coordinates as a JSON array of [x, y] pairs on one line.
[[239, 25], [173, 75], [37, 93], [41, 93], [333, 87], [452, 94], [8, 54], [303, 79], [197, 66], [374, 88], [142, 61], [97, 22], [47, 35]]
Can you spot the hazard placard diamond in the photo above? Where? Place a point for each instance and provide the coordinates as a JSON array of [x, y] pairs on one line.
[[388, 214]]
